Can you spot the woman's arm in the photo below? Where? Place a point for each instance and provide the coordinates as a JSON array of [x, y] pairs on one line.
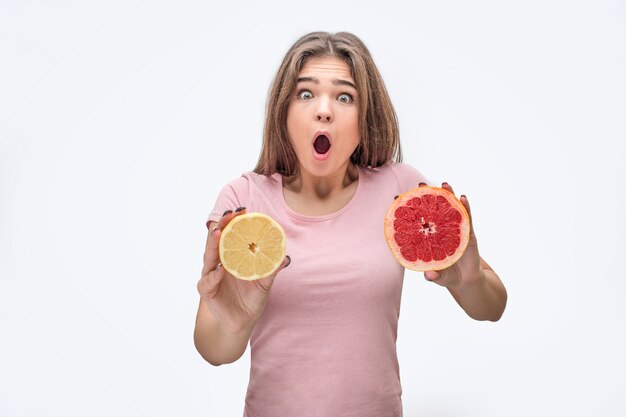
[[471, 281], [484, 299], [217, 345], [229, 307]]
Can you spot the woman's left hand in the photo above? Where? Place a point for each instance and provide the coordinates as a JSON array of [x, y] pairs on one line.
[[467, 270]]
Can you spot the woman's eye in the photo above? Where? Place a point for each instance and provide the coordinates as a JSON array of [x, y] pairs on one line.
[[345, 98], [305, 95]]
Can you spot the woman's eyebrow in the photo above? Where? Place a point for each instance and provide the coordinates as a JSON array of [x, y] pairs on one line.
[[343, 82], [335, 81]]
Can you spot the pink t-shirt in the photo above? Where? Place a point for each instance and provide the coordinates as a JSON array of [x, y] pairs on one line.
[[326, 343]]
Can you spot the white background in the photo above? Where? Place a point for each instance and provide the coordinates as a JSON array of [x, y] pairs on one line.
[[120, 122]]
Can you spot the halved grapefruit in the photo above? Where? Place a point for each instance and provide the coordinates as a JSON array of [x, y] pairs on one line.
[[427, 229]]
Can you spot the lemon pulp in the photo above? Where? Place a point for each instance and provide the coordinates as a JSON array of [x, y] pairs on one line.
[[252, 246]]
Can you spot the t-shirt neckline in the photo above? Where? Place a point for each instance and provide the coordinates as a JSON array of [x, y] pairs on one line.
[[324, 217]]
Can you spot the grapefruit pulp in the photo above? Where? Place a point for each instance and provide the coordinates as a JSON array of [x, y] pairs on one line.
[[427, 229], [252, 246]]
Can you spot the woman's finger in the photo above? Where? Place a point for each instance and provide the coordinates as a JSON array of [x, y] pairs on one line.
[[432, 275], [266, 283], [209, 282], [443, 278], [447, 187], [465, 203], [211, 252]]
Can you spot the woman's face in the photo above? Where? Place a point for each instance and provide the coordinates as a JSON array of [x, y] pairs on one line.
[[323, 117]]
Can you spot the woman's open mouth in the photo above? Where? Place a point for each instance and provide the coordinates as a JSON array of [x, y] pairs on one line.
[[321, 146]]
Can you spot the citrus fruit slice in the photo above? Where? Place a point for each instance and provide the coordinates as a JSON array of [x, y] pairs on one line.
[[427, 229], [252, 246]]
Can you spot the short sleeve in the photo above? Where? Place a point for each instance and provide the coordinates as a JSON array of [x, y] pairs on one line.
[[232, 196], [408, 177]]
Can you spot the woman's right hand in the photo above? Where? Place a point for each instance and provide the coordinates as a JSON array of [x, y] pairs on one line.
[[236, 304]]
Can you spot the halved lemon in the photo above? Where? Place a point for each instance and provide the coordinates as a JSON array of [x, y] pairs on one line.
[[252, 246]]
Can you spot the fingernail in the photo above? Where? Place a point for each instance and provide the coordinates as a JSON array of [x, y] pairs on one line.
[[444, 183], [422, 183], [207, 223], [239, 209], [396, 197], [288, 261], [463, 196], [212, 231], [218, 267], [226, 212]]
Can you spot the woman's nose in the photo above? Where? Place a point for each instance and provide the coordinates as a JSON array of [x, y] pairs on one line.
[[324, 112]]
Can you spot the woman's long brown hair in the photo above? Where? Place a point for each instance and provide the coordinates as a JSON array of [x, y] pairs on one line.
[[378, 123]]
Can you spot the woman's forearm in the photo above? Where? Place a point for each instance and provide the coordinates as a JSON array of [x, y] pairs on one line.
[[483, 300], [218, 345]]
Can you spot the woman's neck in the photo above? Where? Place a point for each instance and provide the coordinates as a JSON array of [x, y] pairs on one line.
[[322, 188]]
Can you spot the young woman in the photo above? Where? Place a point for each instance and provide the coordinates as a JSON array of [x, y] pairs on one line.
[[322, 329]]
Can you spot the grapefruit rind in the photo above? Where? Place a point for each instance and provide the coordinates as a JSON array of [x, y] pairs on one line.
[[434, 265], [266, 237]]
